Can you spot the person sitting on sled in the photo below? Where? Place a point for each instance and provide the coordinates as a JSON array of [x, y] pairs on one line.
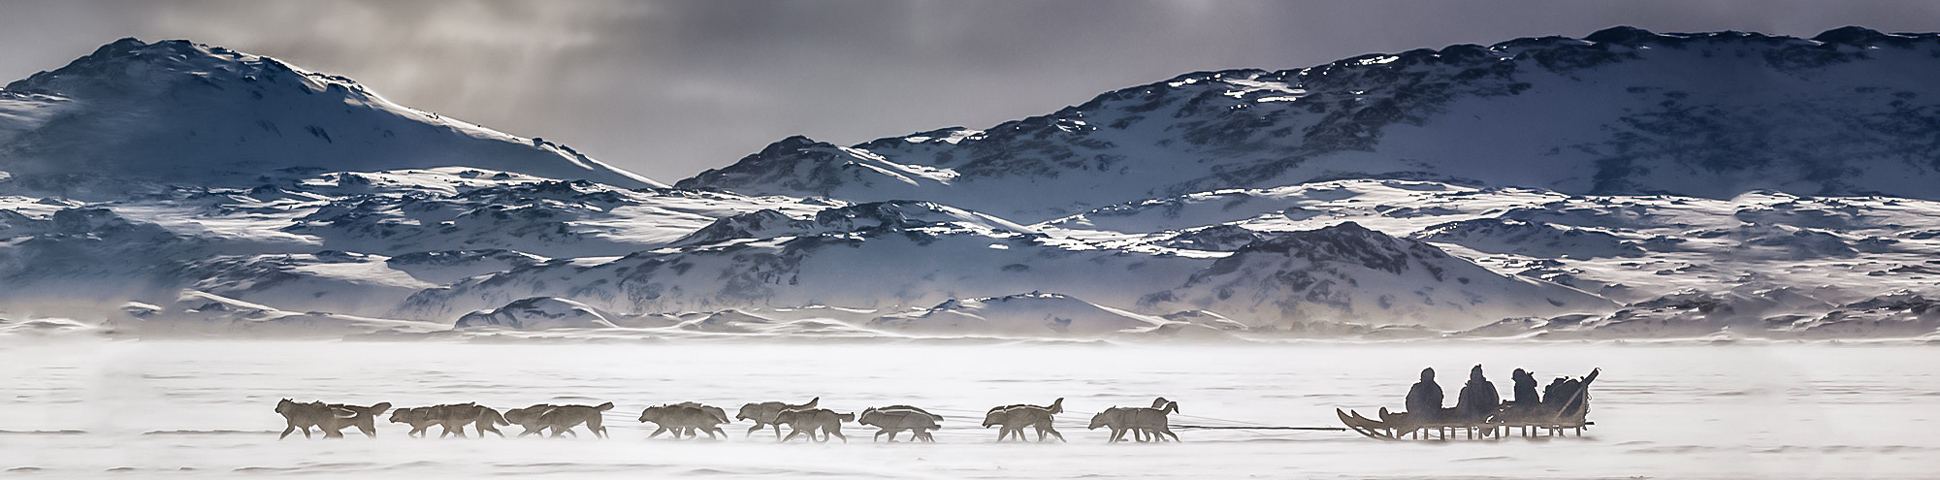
[[1525, 389], [1425, 398], [1478, 398]]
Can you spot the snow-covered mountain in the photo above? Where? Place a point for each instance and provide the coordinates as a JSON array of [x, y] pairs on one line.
[[1626, 248], [1770, 259], [1625, 185], [893, 261], [1621, 111], [347, 242], [176, 112], [1766, 314]]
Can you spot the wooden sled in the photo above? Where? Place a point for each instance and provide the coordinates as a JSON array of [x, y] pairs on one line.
[[1554, 418], [1377, 429], [1397, 426]]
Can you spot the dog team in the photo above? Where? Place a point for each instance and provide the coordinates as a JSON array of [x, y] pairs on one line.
[[690, 419]]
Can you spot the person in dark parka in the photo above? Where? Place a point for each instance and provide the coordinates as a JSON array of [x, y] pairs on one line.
[[1478, 398], [1525, 389], [1425, 398]]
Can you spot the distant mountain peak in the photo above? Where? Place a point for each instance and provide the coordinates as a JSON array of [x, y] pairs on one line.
[[130, 67], [183, 113]]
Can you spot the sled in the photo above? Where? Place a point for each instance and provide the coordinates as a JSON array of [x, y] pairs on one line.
[[1556, 419]]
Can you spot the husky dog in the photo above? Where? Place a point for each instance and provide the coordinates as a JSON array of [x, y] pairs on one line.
[[897, 418], [810, 420], [366, 418], [764, 414], [1137, 419], [453, 417], [528, 418], [331, 420], [685, 418], [562, 418], [1013, 419]]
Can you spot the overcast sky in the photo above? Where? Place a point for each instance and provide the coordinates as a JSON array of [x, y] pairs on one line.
[[669, 88]]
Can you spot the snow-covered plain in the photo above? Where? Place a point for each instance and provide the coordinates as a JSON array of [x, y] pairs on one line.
[[89, 408]]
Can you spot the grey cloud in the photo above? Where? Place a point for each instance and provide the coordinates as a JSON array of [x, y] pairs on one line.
[[668, 88]]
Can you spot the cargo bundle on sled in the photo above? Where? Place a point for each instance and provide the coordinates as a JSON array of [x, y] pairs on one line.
[[1565, 407]]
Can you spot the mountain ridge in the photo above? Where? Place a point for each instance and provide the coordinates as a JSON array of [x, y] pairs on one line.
[[1621, 111]]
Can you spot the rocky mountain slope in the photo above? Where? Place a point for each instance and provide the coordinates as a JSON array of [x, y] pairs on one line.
[[1621, 111]]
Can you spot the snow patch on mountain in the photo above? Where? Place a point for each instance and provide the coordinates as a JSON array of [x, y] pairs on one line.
[[897, 215], [199, 314], [538, 313], [1030, 314], [441, 267], [1346, 273], [1502, 235], [1218, 238], [346, 282]]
